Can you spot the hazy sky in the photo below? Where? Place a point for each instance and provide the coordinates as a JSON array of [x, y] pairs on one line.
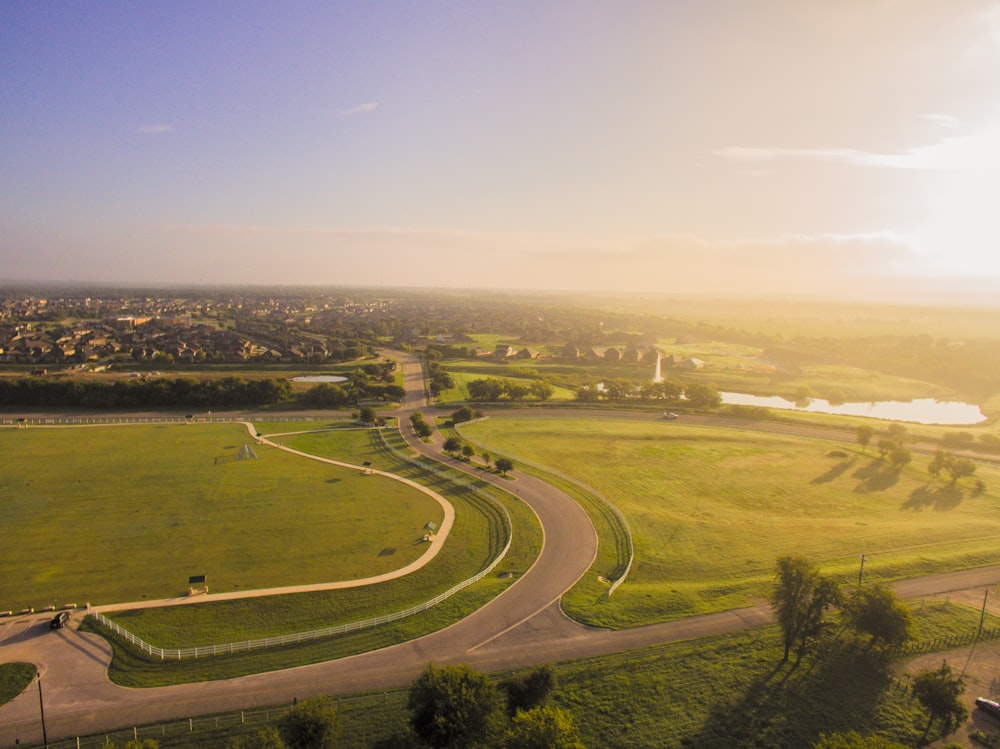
[[703, 145]]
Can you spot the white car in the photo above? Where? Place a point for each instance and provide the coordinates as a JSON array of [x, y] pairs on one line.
[[669, 416]]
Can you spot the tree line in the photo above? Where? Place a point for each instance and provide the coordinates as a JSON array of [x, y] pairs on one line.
[[160, 392]]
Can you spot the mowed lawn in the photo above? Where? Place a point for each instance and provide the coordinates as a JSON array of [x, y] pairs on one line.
[[712, 508], [125, 513]]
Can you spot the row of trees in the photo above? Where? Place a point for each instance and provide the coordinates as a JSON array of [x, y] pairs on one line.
[[451, 707], [455, 446], [495, 389], [893, 449], [158, 392], [693, 394]]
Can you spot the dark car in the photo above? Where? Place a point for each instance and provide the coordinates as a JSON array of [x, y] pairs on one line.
[[60, 620], [988, 706]]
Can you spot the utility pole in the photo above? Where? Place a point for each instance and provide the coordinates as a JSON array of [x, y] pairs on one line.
[[861, 571], [41, 709], [982, 617]]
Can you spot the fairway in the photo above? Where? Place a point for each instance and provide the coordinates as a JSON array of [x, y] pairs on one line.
[[126, 513], [712, 508]]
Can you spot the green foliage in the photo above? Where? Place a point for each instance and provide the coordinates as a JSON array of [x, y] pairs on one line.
[[463, 414], [543, 727], [264, 738], [529, 689], [879, 613], [420, 427], [367, 415], [504, 465], [864, 435], [14, 679], [311, 724], [801, 598], [939, 691], [702, 396], [452, 707], [452, 445]]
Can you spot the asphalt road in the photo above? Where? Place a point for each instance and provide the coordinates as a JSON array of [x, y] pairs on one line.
[[521, 627]]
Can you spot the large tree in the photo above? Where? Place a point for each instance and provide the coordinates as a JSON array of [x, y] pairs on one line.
[[939, 691], [311, 724], [454, 707], [529, 689], [879, 613], [801, 598]]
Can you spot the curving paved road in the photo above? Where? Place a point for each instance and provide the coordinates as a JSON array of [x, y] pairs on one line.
[[523, 626]]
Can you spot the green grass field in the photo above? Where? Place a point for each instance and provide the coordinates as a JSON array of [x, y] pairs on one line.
[[727, 691], [14, 679], [113, 514], [711, 509]]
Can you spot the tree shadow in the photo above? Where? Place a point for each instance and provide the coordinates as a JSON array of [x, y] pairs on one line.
[[941, 498], [836, 690], [834, 472], [875, 477]]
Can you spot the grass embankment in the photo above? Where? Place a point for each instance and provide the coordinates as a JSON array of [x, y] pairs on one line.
[[711, 508], [730, 691], [163, 502], [14, 679], [478, 535]]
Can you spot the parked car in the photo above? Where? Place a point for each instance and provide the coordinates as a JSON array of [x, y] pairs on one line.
[[60, 620], [988, 706], [669, 416]]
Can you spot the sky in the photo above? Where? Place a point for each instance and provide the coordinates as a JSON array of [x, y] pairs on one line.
[[779, 147]]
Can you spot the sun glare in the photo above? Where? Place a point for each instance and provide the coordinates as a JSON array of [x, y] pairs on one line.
[[962, 234]]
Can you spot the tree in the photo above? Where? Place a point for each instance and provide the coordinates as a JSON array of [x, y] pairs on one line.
[[487, 458], [800, 599], [885, 446], [468, 451], [420, 427], [542, 390], [938, 462], [939, 692], [899, 457], [960, 467], [543, 727], [452, 445], [702, 396], [454, 706], [529, 690], [879, 613], [897, 432], [864, 434], [368, 415], [504, 465], [311, 724], [463, 414]]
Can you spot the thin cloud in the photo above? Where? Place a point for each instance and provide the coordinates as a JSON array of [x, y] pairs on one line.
[[364, 108], [944, 120], [957, 153], [156, 129]]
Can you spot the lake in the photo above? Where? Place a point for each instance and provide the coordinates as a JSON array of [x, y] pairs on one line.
[[920, 411], [319, 378]]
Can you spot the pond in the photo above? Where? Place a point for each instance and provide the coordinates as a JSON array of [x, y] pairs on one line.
[[319, 378], [920, 411]]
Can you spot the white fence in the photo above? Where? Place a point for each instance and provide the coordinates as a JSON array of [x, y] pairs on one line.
[[339, 629]]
